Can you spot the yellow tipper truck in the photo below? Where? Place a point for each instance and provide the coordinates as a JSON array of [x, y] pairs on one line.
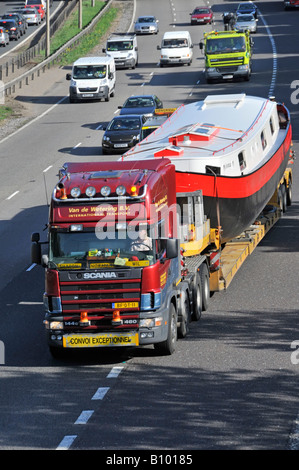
[[228, 55]]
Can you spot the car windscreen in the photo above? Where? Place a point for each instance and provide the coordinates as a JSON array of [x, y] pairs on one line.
[[146, 20], [139, 103], [124, 124]]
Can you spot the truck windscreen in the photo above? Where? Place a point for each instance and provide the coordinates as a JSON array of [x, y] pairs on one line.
[[108, 247], [225, 45]]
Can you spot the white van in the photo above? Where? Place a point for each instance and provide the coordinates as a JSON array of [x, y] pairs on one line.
[[176, 48], [123, 48], [92, 78]]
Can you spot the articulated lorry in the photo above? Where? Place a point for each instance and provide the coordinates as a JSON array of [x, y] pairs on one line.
[[131, 262]]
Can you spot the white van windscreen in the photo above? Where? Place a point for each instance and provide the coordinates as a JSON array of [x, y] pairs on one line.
[[119, 45], [174, 43], [83, 72]]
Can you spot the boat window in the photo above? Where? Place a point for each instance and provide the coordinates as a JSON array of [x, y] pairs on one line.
[[272, 126], [263, 140], [242, 161]]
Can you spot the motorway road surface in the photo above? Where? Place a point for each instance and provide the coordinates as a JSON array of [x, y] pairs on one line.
[[231, 384]]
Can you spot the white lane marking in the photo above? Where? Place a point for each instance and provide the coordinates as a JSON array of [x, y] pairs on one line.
[[78, 145], [34, 120], [84, 417], [274, 55], [30, 303], [12, 195], [31, 267], [66, 442], [47, 169], [115, 371], [100, 393]]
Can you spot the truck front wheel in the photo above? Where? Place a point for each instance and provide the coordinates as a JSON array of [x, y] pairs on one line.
[[167, 347], [197, 298]]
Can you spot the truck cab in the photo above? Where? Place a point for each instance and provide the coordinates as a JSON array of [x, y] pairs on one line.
[[228, 55]]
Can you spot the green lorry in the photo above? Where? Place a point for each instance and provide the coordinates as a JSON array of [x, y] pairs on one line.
[[228, 55]]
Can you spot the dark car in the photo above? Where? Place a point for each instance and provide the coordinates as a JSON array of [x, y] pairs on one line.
[[18, 18], [11, 27], [122, 133], [141, 104], [247, 8]]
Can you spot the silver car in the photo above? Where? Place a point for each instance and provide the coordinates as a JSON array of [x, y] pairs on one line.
[[31, 15], [4, 37], [246, 22], [146, 25]]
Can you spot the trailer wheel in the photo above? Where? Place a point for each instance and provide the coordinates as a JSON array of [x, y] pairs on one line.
[[205, 284], [167, 347], [289, 193], [197, 298], [283, 197], [183, 328]]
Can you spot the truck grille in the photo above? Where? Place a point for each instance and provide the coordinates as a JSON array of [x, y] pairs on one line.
[[99, 298], [229, 61]]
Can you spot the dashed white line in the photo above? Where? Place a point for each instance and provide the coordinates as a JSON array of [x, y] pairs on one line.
[[115, 371], [66, 442], [84, 417], [31, 267], [47, 169], [12, 195], [78, 145], [100, 393]]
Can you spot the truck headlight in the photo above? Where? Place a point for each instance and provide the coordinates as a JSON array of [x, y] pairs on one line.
[[151, 322], [211, 69], [243, 67]]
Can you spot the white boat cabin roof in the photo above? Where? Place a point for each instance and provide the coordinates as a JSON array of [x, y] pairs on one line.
[[214, 131]]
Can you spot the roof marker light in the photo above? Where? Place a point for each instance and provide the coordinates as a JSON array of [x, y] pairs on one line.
[[134, 191]]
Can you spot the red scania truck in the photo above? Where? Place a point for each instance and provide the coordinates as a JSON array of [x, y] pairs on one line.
[[103, 286], [129, 261]]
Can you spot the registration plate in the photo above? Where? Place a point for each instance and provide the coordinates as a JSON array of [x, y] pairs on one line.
[[120, 145], [228, 77], [125, 305], [101, 340], [87, 95]]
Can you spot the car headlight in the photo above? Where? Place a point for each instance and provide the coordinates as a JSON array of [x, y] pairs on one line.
[[105, 137]]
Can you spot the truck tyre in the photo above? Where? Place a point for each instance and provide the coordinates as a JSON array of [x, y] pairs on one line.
[[205, 284], [197, 298], [289, 193], [183, 328], [167, 347], [283, 197]]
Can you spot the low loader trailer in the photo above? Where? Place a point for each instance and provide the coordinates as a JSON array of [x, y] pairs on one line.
[[130, 262]]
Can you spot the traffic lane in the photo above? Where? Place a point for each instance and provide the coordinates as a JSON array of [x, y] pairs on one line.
[[231, 383], [42, 397]]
